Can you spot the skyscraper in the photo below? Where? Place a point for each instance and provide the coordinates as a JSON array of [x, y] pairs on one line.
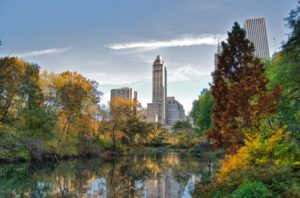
[[174, 111], [156, 111], [124, 92], [219, 50], [256, 32]]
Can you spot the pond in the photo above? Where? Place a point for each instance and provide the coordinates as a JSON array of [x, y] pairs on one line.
[[158, 175]]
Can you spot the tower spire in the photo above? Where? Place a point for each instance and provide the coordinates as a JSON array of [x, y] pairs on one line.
[[219, 47], [158, 58]]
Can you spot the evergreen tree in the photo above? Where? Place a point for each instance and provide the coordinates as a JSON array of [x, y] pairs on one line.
[[241, 98]]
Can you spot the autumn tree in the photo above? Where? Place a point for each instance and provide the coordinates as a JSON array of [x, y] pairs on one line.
[[22, 104], [241, 98], [12, 86], [72, 96], [121, 111]]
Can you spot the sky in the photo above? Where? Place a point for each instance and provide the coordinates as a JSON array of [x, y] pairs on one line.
[[116, 42]]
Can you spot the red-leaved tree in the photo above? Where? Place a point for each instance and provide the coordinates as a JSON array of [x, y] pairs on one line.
[[239, 88]]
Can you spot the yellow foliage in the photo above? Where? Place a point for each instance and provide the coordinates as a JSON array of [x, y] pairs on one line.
[[232, 163], [123, 103], [276, 149]]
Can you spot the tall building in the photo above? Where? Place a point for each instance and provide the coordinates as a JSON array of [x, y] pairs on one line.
[[96, 112], [156, 111], [124, 92], [256, 32], [219, 51], [175, 111]]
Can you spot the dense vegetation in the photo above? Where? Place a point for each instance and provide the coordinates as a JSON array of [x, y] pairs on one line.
[[255, 119], [48, 116], [45, 115]]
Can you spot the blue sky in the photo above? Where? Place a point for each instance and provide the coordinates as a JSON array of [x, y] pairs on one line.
[[115, 42]]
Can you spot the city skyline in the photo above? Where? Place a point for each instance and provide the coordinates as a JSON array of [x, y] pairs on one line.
[[117, 53]]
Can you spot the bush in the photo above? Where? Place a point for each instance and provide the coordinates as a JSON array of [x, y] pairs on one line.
[[279, 180], [274, 148], [181, 124], [268, 157], [184, 139], [11, 148], [89, 146], [252, 190]]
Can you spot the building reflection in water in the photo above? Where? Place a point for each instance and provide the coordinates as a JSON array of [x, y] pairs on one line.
[[164, 175]]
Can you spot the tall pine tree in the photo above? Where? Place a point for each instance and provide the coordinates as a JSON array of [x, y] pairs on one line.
[[241, 98]]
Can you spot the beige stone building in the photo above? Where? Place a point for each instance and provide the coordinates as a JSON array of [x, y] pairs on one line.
[[124, 92], [175, 111], [156, 111], [164, 110]]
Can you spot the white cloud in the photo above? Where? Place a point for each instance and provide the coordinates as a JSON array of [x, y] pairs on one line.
[[186, 73], [43, 52], [111, 78], [184, 41]]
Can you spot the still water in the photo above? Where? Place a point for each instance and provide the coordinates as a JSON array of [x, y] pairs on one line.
[[159, 175]]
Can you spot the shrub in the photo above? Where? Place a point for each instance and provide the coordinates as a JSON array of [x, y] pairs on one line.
[[89, 146], [279, 180], [252, 190], [268, 157], [184, 139], [11, 147], [262, 149]]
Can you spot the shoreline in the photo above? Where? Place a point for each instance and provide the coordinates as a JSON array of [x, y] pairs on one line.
[[109, 155]]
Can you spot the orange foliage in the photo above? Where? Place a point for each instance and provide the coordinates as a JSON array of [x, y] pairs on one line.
[[231, 163], [72, 97]]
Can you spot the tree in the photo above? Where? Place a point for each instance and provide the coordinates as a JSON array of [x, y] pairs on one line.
[[12, 86], [181, 124], [284, 70], [203, 116], [201, 112], [293, 22], [121, 110], [73, 99], [194, 111], [72, 96], [23, 108], [241, 98]]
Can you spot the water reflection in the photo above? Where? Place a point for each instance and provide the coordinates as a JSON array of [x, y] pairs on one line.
[[160, 175]]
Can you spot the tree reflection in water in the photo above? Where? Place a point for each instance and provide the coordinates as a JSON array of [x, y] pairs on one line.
[[145, 175]]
